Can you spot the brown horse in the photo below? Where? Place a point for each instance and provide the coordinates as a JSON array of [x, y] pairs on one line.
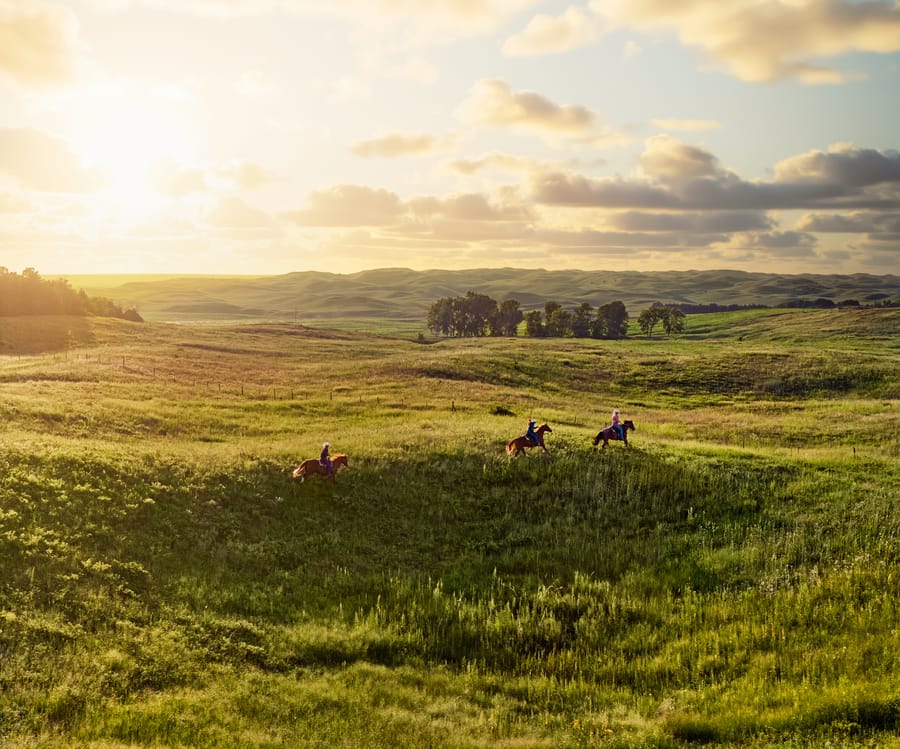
[[520, 444], [313, 467], [611, 434]]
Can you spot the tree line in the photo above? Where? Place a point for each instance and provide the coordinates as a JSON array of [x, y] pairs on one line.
[[478, 315], [30, 294]]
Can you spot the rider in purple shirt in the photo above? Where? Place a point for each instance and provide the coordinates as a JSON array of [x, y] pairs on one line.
[[325, 460]]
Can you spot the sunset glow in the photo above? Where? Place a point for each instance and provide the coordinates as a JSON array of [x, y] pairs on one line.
[[268, 137]]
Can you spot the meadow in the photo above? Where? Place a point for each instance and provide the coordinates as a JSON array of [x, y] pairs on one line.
[[731, 579]]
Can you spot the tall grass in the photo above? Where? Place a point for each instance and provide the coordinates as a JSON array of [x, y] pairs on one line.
[[167, 584]]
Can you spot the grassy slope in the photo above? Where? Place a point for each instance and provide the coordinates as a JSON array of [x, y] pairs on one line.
[[731, 579], [406, 295]]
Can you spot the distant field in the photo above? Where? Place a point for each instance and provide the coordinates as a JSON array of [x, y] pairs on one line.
[[95, 281], [729, 580], [400, 294]]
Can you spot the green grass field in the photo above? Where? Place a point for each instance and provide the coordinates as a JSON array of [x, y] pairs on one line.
[[731, 579]]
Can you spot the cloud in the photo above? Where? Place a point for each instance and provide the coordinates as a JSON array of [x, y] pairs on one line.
[[702, 223], [549, 35], [677, 176], [593, 240], [768, 40], [501, 161], [392, 145], [13, 204], [44, 163], [353, 205], [349, 205], [246, 174], [843, 164], [234, 214], [436, 20], [670, 159], [467, 207], [576, 190], [851, 223], [785, 244], [172, 178], [494, 104], [37, 42]]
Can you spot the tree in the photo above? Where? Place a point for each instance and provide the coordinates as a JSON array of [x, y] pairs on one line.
[[615, 319], [581, 320], [549, 326], [440, 317], [29, 294], [478, 310], [506, 321], [534, 325], [470, 315], [560, 322], [648, 319], [672, 320]]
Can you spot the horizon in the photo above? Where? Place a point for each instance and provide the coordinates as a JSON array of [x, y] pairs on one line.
[[486, 269], [532, 134]]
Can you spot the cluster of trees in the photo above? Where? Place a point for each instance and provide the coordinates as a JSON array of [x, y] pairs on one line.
[[794, 303], [29, 294], [606, 321], [670, 317], [474, 315], [479, 315]]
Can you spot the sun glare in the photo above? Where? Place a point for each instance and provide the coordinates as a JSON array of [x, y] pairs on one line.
[[123, 139]]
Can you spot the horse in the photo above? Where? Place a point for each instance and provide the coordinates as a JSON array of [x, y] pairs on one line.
[[611, 434], [312, 467], [520, 444]]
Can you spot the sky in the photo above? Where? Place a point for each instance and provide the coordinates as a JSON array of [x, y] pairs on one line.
[[270, 136]]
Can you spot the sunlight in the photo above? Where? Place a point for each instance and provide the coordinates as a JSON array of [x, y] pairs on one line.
[[123, 137]]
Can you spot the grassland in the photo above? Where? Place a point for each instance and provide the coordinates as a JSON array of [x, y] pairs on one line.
[[729, 580], [400, 294]]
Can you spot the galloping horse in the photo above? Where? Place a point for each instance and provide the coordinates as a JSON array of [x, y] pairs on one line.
[[520, 444], [312, 467], [611, 434]]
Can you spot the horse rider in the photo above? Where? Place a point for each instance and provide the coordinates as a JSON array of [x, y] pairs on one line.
[[620, 430], [325, 459], [531, 434]]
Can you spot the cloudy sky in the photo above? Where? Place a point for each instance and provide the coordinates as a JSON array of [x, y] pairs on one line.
[[269, 136]]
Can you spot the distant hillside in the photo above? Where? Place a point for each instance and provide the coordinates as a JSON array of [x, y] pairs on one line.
[[403, 294]]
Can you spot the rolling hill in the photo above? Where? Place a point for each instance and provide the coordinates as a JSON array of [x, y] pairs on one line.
[[403, 294]]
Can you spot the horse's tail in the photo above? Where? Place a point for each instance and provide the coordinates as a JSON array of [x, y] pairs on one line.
[[299, 472], [596, 440], [510, 447]]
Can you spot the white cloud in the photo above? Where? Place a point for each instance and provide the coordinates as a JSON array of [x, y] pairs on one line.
[[768, 40], [493, 103], [392, 145], [549, 35], [38, 42], [44, 163]]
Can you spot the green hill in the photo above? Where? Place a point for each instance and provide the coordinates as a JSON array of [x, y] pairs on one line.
[[403, 294], [729, 580]]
